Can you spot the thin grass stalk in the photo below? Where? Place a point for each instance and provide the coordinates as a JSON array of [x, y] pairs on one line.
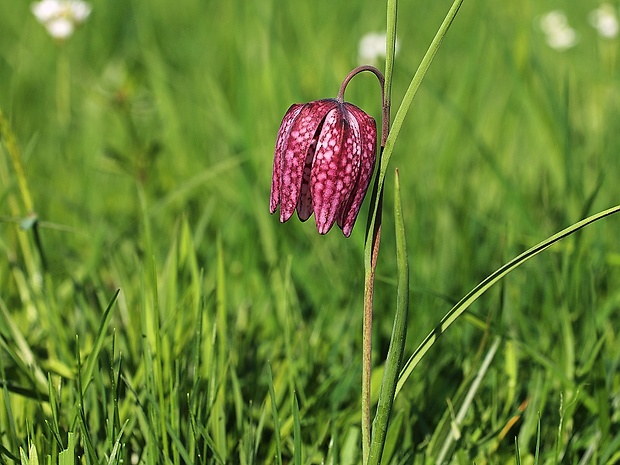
[[537, 453], [219, 417], [92, 361], [11, 146], [467, 402], [152, 323], [297, 443], [274, 414], [7, 417]]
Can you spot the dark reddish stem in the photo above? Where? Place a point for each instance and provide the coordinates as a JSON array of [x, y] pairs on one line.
[[375, 238], [385, 117]]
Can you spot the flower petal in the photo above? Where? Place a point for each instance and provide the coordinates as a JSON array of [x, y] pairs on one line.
[[283, 133], [335, 168], [60, 28], [295, 151], [304, 205], [368, 143], [79, 11], [46, 10]]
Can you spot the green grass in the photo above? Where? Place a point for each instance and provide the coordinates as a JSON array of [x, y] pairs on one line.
[[147, 144]]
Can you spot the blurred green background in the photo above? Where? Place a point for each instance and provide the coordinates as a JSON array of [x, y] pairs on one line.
[[147, 139]]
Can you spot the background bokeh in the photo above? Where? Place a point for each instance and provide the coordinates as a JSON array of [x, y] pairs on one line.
[[147, 140]]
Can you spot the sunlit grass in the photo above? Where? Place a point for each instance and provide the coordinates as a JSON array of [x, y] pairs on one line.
[[157, 186]]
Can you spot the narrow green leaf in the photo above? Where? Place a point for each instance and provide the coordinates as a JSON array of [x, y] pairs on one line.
[[19, 349], [67, 456], [444, 453], [219, 417], [394, 439], [54, 401], [400, 117], [399, 333], [485, 285], [101, 334], [8, 453], [11, 437], [537, 442], [87, 441], [274, 413], [23, 457], [297, 452]]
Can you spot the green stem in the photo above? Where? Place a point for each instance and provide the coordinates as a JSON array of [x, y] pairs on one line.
[[373, 233], [373, 230], [413, 88], [390, 51]]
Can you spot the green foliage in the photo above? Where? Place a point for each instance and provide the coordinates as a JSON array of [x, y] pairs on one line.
[[152, 311]]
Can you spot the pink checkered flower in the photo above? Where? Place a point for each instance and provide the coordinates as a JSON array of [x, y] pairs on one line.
[[324, 160]]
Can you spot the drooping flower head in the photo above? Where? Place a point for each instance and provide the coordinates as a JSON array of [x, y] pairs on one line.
[[324, 160]]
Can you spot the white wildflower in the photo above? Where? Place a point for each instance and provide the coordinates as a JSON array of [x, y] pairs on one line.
[[605, 21], [372, 47], [60, 17], [558, 33]]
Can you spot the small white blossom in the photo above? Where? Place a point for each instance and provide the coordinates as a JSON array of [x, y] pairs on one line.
[[60, 17], [558, 33], [60, 28], [372, 47], [605, 21]]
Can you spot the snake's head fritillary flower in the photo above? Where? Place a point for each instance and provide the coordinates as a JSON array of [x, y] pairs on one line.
[[324, 160]]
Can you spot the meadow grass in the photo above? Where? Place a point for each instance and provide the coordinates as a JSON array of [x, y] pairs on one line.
[[155, 312]]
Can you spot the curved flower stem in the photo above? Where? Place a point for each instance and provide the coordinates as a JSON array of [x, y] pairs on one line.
[[385, 117], [373, 240]]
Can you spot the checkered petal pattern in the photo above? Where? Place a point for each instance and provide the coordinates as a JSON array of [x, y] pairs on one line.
[[324, 159]]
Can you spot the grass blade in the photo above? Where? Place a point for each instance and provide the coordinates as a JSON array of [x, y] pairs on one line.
[[67, 456], [403, 109], [469, 398], [101, 334], [536, 455], [485, 285], [274, 413], [297, 453]]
